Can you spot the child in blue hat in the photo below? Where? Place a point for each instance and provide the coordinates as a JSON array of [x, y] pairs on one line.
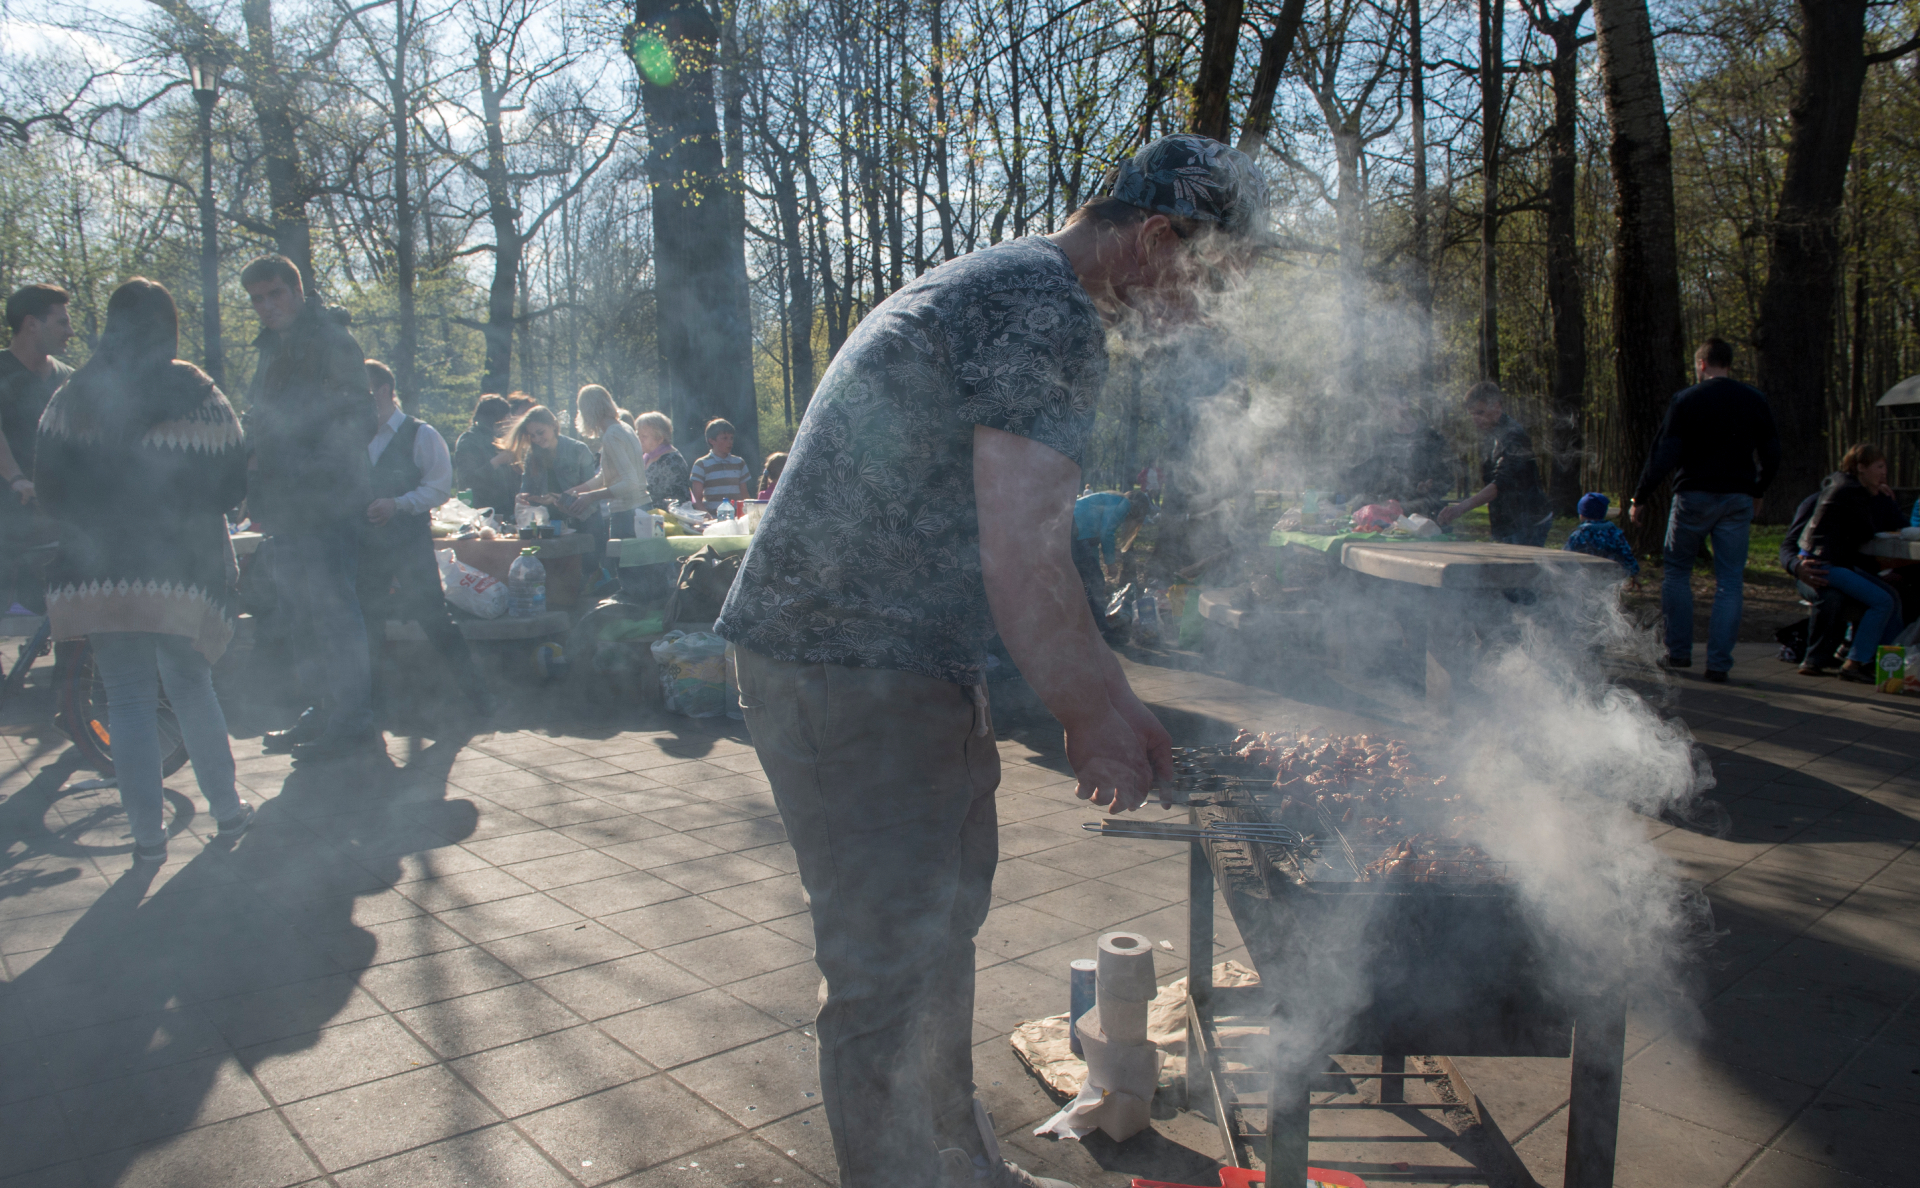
[[1598, 538]]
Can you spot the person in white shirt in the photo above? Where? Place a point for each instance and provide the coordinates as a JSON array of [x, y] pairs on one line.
[[399, 578], [622, 479]]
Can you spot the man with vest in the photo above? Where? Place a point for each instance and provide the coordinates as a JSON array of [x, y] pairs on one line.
[[399, 579]]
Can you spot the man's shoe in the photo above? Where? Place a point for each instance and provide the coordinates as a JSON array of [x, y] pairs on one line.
[[237, 824], [1815, 670], [310, 726], [991, 1170], [1679, 662], [1714, 676], [1858, 672], [340, 746]]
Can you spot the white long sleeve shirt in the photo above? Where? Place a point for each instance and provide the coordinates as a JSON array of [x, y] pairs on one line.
[[623, 468], [430, 454]]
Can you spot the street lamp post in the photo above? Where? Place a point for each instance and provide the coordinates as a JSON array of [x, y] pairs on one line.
[[203, 71]]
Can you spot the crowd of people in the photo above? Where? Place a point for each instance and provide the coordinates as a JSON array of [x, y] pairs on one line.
[[135, 463]]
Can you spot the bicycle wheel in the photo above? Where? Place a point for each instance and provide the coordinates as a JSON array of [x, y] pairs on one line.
[[83, 697]]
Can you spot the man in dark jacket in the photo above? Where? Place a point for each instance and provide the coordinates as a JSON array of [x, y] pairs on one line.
[[309, 421], [1720, 445], [1516, 503]]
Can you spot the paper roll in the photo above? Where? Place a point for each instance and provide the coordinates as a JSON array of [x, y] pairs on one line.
[[1080, 995], [1122, 1022], [1126, 968], [1118, 1067]]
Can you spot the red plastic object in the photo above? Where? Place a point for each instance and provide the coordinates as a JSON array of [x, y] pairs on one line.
[[1240, 1177]]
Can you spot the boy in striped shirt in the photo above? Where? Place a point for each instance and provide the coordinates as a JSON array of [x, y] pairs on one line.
[[720, 473]]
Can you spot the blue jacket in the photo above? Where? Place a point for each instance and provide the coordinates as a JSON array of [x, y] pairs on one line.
[[1100, 515], [1599, 538]]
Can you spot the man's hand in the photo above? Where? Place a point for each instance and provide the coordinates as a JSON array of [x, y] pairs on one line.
[[1813, 573], [1110, 759], [1448, 514], [380, 511], [1636, 513], [23, 487], [1152, 735]]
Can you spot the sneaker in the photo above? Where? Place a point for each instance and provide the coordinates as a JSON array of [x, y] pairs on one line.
[[310, 726], [990, 1170], [1857, 672], [155, 854], [1815, 670], [237, 824], [1714, 676]]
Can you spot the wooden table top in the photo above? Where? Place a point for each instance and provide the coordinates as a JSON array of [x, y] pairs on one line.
[[1892, 546], [1471, 564]]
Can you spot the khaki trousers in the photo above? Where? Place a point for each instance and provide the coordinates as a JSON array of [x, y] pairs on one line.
[[886, 781]]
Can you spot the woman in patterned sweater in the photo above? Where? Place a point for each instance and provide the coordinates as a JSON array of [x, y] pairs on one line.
[[139, 458]]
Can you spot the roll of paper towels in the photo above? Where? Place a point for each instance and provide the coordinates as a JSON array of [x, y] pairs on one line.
[[1122, 1022], [1126, 968]]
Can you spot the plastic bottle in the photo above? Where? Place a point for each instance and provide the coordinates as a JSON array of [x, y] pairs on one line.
[[724, 510], [526, 586]]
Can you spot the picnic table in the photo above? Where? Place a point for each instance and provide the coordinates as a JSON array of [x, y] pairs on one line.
[[1892, 547], [1465, 586]]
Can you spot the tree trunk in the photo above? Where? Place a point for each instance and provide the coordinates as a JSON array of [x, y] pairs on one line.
[[505, 218], [793, 244], [406, 352], [1274, 52], [699, 263], [1649, 350], [1493, 17], [942, 153], [1566, 289], [1422, 253], [287, 188], [1213, 81], [1794, 329]]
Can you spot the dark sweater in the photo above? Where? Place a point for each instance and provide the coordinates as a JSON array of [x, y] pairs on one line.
[[1718, 437], [139, 506], [309, 419], [473, 468], [1509, 463], [1846, 517]]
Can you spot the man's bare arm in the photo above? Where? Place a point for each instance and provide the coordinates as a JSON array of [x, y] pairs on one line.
[[1024, 493]]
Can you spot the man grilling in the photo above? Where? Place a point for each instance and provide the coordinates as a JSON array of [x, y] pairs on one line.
[[928, 502], [399, 578]]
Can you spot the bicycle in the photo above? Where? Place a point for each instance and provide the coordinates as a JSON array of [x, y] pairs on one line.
[[80, 696]]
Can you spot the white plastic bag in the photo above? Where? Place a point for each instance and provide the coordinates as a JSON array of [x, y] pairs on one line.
[[693, 673], [726, 528], [1417, 525], [467, 588]]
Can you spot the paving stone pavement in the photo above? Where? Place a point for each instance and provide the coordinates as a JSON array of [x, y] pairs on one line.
[[543, 957]]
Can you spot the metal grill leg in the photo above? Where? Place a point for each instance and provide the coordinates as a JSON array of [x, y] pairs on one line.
[[1199, 927], [1593, 1111], [1288, 1110]]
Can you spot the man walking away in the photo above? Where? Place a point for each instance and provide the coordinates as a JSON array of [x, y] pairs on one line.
[[1516, 503], [309, 421], [399, 578], [1719, 443], [29, 376], [928, 503]]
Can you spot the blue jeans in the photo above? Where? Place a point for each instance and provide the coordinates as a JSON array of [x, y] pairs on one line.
[[1696, 516], [134, 665], [317, 571], [1881, 622]]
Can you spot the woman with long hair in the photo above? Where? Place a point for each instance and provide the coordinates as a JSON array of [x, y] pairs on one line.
[[622, 478], [551, 463], [1856, 502], [139, 458]]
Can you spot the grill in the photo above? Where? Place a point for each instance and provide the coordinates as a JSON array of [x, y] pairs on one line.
[[1436, 948]]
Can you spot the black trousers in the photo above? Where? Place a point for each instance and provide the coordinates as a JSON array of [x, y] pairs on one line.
[[399, 579]]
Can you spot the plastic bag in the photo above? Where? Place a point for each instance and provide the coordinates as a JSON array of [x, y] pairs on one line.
[[1377, 517], [693, 673], [727, 528], [470, 590]]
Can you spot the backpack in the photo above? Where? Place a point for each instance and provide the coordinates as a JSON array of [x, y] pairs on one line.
[[701, 589]]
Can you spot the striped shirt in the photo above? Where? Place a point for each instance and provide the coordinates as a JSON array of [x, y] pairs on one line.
[[722, 478]]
